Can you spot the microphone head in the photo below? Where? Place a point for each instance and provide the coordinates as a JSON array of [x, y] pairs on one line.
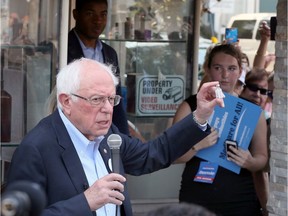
[[31, 191], [114, 141]]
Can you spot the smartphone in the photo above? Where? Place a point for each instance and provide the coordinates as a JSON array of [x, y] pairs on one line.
[[231, 35], [273, 25], [230, 143]]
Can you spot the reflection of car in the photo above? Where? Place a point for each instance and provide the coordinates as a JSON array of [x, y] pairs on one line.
[[203, 45], [152, 56], [174, 92]]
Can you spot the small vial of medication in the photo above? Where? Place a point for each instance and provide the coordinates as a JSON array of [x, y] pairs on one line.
[[218, 92]]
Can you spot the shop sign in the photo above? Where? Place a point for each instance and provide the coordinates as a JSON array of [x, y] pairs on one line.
[[159, 97]]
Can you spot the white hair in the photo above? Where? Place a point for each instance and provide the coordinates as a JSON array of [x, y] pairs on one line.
[[68, 78]]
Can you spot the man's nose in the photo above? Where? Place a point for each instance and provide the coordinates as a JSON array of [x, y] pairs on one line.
[[97, 18]]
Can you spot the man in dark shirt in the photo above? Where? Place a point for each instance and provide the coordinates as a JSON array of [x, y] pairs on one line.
[[83, 41]]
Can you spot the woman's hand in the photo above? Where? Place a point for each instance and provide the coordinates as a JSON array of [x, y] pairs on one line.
[[242, 158], [208, 141], [264, 31]]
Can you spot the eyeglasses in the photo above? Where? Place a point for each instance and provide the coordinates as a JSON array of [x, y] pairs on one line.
[[255, 88], [97, 100], [270, 94]]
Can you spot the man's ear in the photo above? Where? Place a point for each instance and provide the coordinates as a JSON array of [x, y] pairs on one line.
[[65, 101], [75, 14]]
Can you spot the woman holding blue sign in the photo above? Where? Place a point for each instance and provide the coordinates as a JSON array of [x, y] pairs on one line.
[[256, 91], [208, 184]]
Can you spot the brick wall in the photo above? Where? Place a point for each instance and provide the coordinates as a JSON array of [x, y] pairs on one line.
[[277, 203]]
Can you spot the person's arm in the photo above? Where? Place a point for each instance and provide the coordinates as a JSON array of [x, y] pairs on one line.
[[208, 141], [260, 57], [255, 159], [139, 159], [183, 111], [261, 184], [32, 169], [258, 146]]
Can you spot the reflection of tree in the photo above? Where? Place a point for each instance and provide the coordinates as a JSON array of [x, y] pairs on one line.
[[145, 60], [207, 27], [163, 15]]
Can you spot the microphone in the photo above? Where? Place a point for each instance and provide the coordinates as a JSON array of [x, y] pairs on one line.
[[114, 142], [23, 198]]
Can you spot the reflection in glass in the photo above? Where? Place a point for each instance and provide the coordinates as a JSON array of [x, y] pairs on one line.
[[29, 46]]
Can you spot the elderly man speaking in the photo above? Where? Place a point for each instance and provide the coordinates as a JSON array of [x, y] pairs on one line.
[[67, 152]]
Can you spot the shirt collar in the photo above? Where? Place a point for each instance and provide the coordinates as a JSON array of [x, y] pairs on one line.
[[98, 46], [78, 139]]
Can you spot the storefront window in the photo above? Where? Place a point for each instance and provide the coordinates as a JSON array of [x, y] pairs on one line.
[[29, 55], [153, 40], [155, 43]]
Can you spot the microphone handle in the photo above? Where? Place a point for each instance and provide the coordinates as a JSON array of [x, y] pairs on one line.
[[116, 160], [116, 168]]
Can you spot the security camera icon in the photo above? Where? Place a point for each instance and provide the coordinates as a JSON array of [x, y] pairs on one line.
[[173, 93]]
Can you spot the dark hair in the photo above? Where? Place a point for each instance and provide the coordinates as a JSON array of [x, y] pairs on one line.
[[228, 49], [256, 75], [244, 56], [80, 3], [183, 209]]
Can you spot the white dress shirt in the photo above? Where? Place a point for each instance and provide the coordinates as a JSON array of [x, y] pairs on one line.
[[91, 159]]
